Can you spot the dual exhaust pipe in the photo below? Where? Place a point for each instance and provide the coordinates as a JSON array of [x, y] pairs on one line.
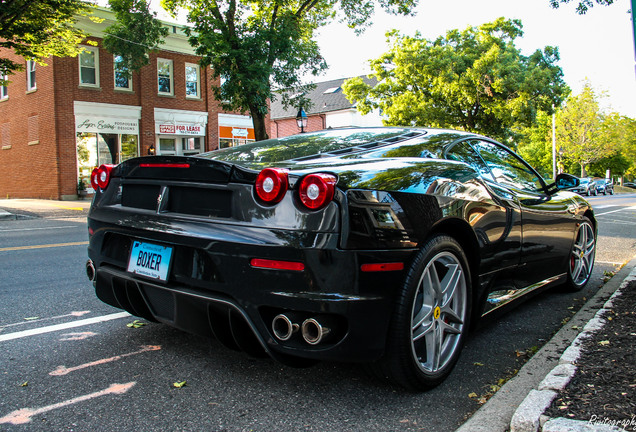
[[312, 330]]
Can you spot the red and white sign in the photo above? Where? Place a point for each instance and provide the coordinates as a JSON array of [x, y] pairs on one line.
[[182, 129]]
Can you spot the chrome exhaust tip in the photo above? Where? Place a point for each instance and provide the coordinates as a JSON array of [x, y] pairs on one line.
[[314, 332], [283, 327], [90, 270]]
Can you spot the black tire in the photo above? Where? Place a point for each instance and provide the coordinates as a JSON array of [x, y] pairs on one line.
[[429, 325], [581, 260]]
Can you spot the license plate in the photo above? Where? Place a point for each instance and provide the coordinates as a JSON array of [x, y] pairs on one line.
[[150, 260]]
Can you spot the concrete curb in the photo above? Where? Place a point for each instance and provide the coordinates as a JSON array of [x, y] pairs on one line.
[[497, 414], [529, 416]]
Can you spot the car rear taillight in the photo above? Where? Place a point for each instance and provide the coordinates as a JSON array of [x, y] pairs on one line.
[[316, 190], [271, 185], [100, 177]]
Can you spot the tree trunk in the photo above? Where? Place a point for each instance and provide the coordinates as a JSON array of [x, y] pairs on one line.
[[260, 130], [583, 170]]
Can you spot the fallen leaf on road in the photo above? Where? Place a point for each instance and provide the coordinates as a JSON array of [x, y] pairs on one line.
[[179, 384], [136, 324], [604, 343]]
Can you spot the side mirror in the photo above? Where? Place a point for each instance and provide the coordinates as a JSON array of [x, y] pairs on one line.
[[564, 181]]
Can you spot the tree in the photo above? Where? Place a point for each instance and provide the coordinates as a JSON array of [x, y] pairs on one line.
[[255, 46], [535, 144], [476, 80], [583, 5], [583, 132], [136, 33], [37, 29]]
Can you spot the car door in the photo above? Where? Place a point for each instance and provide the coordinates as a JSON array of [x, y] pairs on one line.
[[548, 222]]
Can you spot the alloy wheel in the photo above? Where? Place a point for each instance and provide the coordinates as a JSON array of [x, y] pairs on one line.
[[583, 253], [439, 313]]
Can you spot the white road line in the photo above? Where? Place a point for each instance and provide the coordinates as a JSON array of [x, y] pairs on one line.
[[614, 211], [58, 327]]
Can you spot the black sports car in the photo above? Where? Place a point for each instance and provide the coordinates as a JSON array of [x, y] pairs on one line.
[[377, 245]]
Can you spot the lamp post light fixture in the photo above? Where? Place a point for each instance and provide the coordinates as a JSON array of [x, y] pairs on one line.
[[151, 150], [301, 119]]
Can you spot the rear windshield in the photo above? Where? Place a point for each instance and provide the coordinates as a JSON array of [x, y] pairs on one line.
[[306, 144]]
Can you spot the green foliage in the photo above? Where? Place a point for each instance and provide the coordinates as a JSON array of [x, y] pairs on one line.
[[37, 29], [475, 80], [585, 135], [535, 146], [583, 5], [136, 33], [256, 46]]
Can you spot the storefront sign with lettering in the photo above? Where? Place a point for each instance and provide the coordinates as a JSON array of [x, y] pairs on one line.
[[85, 123], [182, 129]]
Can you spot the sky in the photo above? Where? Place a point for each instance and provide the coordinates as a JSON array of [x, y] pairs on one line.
[[597, 46]]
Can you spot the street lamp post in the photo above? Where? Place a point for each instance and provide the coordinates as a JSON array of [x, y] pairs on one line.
[[301, 119]]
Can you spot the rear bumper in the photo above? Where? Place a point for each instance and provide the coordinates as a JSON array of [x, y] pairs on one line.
[[212, 290]]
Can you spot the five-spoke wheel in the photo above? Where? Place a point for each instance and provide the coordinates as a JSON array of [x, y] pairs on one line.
[[582, 256], [431, 317]]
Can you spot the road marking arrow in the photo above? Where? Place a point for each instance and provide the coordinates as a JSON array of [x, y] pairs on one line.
[[24, 415], [63, 370]]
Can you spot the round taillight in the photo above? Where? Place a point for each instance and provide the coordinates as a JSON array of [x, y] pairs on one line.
[[316, 190], [103, 176], [271, 185], [94, 176]]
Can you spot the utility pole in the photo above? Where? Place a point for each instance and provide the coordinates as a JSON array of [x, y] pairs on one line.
[[634, 28], [554, 166]]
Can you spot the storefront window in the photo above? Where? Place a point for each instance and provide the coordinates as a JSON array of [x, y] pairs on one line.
[[232, 142], [129, 147], [180, 146], [95, 149], [167, 146]]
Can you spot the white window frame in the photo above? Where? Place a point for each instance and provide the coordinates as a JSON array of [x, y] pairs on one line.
[[130, 80], [198, 82], [95, 51], [4, 90], [170, 63], [31, 77]]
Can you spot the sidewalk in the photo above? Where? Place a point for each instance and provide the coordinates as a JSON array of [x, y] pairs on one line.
[[12, 209], [522, 403]]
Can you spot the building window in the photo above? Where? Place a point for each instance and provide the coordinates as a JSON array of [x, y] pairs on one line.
[[192, 81], [31, 75], [123, 77], [89, 67], [4, 90], [165, 77]]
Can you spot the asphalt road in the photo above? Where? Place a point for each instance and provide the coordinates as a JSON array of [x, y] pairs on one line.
[[70, 362]]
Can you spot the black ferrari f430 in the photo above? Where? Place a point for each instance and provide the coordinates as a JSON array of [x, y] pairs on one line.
[[378, 245]]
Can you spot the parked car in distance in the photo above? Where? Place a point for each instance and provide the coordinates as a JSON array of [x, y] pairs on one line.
[[374, 245], [586, 186], [604, 186], [630, 185]]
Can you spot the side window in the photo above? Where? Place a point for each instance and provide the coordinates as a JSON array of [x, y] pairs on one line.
[[463, 152], [508, 168]]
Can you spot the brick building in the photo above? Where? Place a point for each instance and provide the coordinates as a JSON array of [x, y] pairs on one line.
[[330, 109], [57, 122]]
